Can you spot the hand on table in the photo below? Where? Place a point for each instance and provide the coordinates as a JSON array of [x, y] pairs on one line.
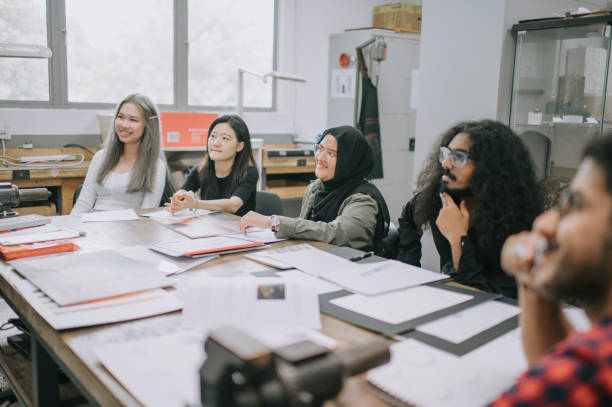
[[254, 220], [181, 200]]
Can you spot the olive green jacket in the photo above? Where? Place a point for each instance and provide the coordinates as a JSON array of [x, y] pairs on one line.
[[354, 226]]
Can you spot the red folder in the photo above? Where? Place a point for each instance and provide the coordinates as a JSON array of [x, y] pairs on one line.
[[36, 249]]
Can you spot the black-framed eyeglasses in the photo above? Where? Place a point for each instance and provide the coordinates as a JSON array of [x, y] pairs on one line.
[[458, 158]]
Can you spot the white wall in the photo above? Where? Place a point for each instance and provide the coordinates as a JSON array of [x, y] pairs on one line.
[[303, 42], [466, 62], [316, 20]]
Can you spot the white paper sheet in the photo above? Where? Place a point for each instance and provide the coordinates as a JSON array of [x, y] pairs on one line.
[[464, 324], [425, 376], [178, 215], [109, 216], [204, 226], [38, 237], [205, 245], [276, 337], [400, 306], [159, 371], [258, 235], [167, 265], [299, 277], [261, 257], [309, 259], [381, 277], [122, 308], [84, 276], [249, 302], [35, 229], [164, 370]]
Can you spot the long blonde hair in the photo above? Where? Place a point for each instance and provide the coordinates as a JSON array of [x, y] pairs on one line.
[[144, 169]]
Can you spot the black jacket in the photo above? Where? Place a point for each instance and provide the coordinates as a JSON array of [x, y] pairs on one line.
[[474, 269]]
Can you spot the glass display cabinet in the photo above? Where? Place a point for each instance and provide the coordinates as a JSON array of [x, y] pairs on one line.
[[560, 90]]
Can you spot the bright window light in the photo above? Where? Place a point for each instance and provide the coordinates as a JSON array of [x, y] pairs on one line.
[[118, 47]]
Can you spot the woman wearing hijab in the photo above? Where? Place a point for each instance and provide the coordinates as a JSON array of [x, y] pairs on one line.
[[340, 207]]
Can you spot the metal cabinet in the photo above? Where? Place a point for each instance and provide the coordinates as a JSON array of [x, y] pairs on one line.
[[560, 90]]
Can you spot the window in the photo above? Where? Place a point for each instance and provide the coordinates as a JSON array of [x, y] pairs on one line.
[[24, 22], [225, 36], [117, 47], [182, 53]]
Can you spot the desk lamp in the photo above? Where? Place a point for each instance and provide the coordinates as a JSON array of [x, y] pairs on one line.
[[274, 74]]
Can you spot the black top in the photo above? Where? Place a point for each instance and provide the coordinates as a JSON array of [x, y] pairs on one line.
[[474, 269], [245, 190]]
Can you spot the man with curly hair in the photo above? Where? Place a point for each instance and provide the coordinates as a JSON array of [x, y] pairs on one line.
[[478, 188]]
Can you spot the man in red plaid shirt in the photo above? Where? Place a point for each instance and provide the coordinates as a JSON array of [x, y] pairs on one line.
[[567, 257]]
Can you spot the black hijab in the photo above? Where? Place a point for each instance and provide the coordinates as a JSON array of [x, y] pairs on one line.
[[354, 162]]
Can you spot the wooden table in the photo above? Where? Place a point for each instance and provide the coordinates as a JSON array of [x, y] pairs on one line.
[[66, 179], [72, 350]]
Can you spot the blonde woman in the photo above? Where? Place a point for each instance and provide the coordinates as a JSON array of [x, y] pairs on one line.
[[130, 171]]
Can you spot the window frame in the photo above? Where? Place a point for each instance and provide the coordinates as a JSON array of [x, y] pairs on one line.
[[58, 66]]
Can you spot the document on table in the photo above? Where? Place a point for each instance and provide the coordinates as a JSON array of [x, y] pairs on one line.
[[164, 370], [258, 235], [35, 236], [425, 376], [115, 309], [381, 277], [79, 277], [299, 277], [469, 322], [249, 302], [167, 265], [309, 259], [178, 215], [109, 216], [204, 226], [401, 306], [261, 257], [203, 246], [158, 371]]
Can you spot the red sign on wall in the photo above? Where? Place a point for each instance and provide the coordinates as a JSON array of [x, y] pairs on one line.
[[185, 129]]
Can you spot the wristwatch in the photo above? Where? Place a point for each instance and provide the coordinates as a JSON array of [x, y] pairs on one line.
[[274, 223]]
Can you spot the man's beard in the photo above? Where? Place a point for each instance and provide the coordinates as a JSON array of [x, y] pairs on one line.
[[457, 194], [585, 285]]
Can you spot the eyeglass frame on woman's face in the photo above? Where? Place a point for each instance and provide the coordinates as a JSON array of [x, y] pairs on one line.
[[458, 158], [329, 154]]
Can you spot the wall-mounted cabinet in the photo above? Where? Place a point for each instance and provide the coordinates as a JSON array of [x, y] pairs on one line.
[[560, 91]]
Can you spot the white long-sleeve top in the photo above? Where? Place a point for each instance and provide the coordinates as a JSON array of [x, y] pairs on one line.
[[112, 193]]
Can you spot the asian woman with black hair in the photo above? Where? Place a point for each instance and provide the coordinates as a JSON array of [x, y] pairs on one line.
[[226, 177]]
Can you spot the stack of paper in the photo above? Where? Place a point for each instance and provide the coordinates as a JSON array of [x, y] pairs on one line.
[[207, 246], [249, 302], [115, 309], [110, 216], [369, 279], [382, 277], [164, 214], [80, 277], [425, 376], [212, 224]]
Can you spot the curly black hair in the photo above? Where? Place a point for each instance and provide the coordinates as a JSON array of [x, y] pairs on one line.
[[504, 183]]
